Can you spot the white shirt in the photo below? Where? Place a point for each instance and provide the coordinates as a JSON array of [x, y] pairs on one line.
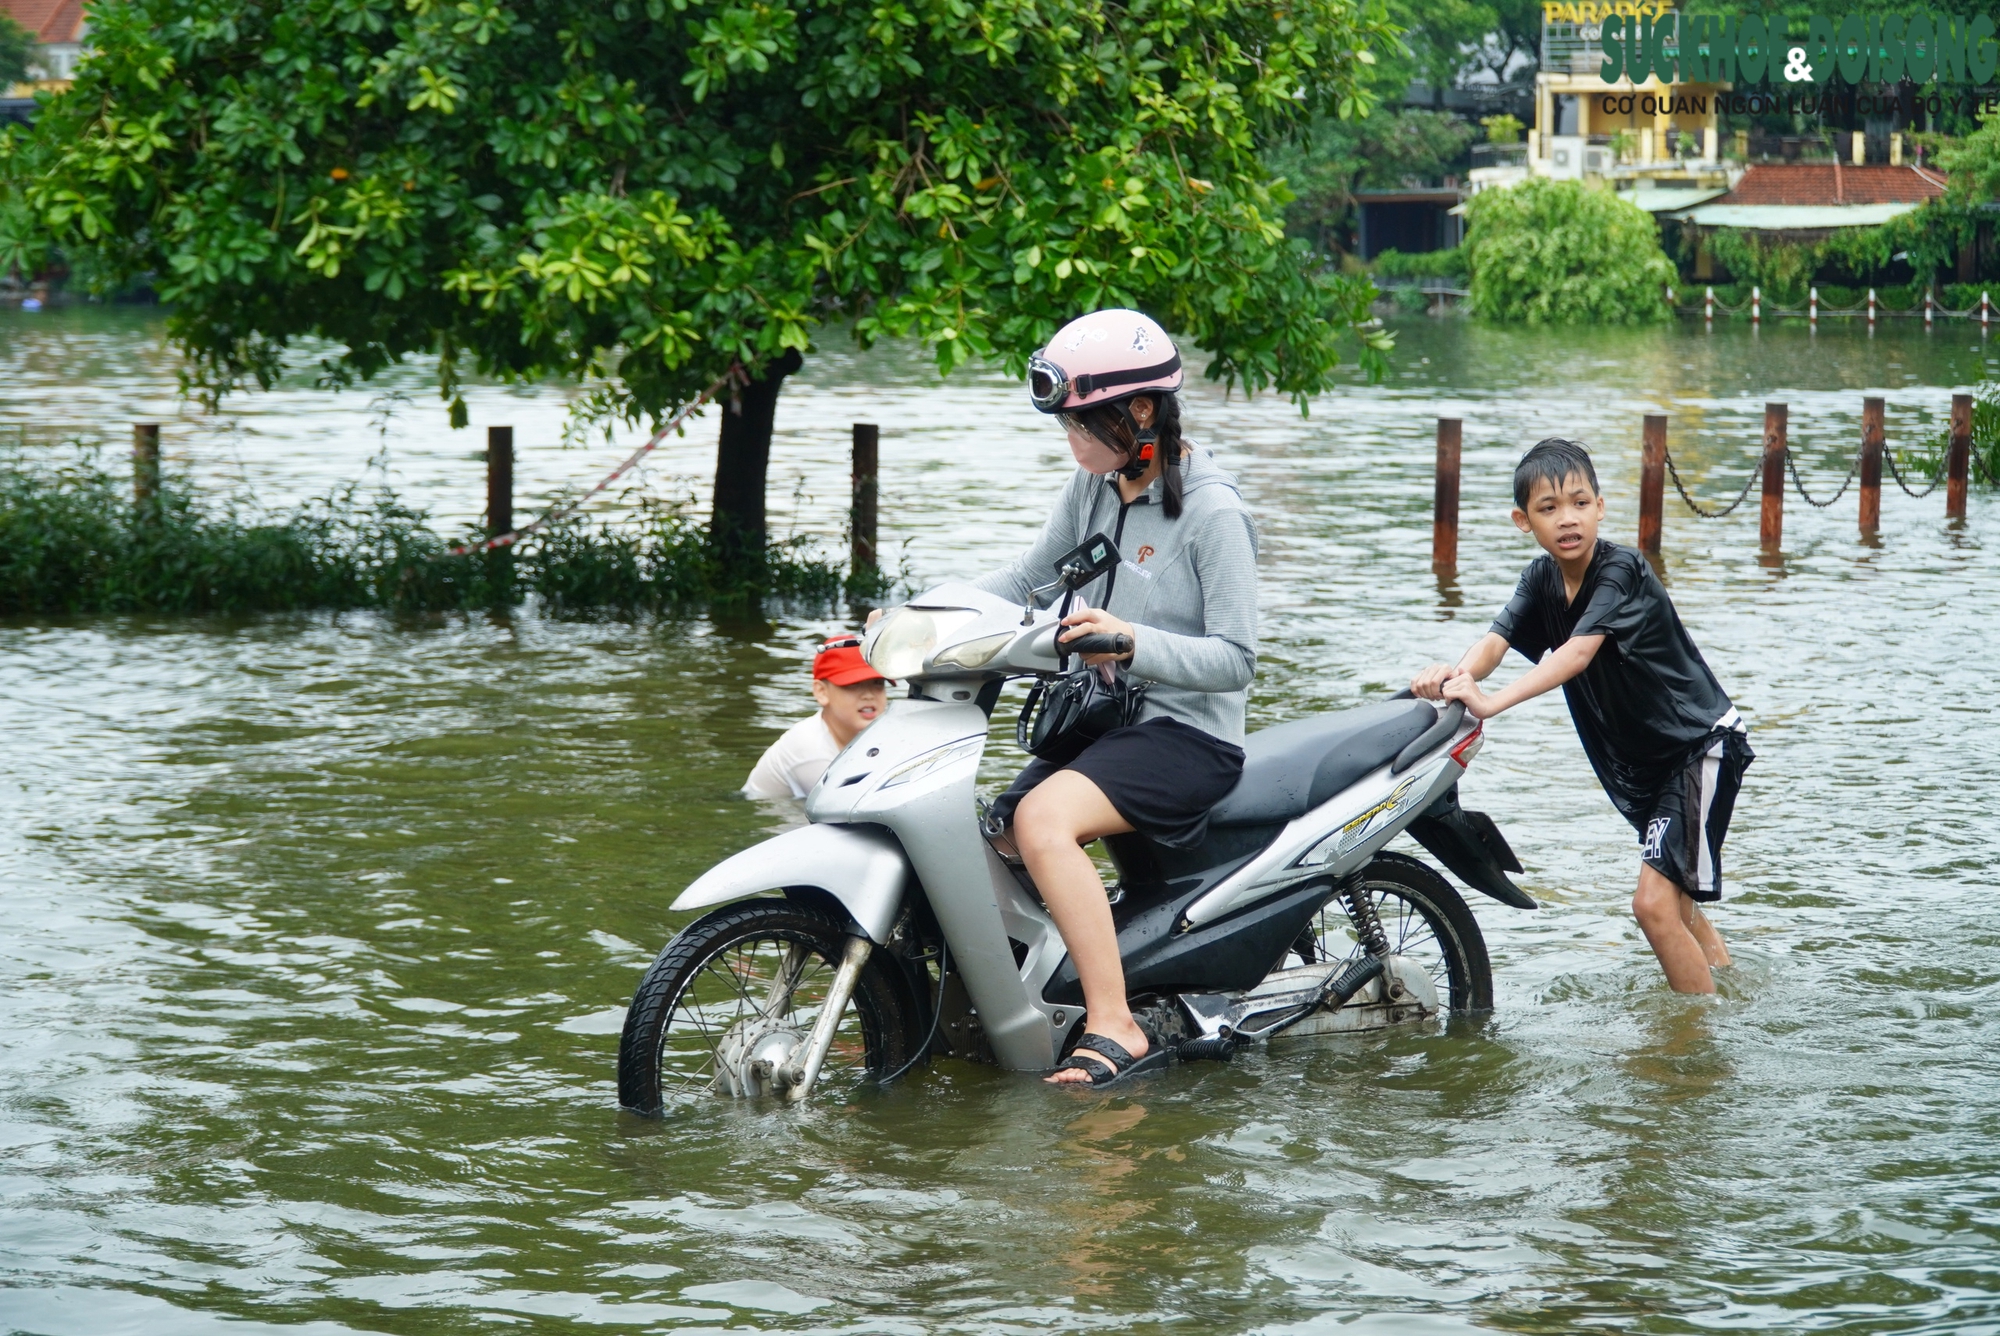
[[790, 766]]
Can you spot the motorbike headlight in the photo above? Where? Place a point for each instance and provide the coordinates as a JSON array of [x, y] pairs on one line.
[[973, 653], [898, 644], [966, 749]]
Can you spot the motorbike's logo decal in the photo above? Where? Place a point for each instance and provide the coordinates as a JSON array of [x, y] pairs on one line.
[[1378, 817], [1656, 836], [1145, 552]]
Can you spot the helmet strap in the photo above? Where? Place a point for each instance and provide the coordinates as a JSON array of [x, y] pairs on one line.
[[1143, 439]]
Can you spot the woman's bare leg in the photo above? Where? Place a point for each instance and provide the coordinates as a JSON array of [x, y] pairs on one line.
[[1051, 826]]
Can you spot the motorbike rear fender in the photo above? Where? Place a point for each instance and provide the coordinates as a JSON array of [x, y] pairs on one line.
[[1472, 847], [862, 867]]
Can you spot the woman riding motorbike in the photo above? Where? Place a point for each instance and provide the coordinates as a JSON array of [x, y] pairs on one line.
[[1186, 594]]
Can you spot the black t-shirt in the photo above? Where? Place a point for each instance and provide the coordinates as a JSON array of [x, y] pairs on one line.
[[1647, 700]]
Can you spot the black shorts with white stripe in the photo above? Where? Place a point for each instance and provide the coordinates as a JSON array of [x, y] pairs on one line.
[[1682, 840]]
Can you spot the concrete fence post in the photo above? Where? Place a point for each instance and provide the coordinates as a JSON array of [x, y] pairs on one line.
[[1652, 481], [145, 463], [1960, 457], [867, 445], [499, 481], [1871, 464], [1771, 523], [1444, 522]]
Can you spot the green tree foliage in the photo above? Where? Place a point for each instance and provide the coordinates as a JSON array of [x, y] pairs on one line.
[[1326, 164], [1974, 164], [1929, 238], [1445, 40], [639, 193], [1561, 252], [17, 48], [1442, 43]]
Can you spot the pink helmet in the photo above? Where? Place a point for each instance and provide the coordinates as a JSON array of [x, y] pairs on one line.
[[1102, 357]]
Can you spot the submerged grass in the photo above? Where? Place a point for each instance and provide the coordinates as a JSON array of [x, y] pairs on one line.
[[72, 540]]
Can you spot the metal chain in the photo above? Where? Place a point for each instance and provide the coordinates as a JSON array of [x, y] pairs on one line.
[[1681, 487], [1889, 458], [1979, 463], [1793, 465]]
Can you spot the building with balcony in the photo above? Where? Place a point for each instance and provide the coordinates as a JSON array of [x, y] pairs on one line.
[[1643, 137], [60, 29]]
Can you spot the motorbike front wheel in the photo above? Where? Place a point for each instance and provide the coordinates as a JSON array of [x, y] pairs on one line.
[[752, 976]]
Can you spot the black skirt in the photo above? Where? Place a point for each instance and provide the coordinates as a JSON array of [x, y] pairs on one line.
[[1162, 776]]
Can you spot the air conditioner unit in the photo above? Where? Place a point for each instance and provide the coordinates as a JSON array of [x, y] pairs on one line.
[[1596, 160], [1565, 156]]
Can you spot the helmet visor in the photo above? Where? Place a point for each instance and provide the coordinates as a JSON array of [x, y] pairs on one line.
[[1048, 384]]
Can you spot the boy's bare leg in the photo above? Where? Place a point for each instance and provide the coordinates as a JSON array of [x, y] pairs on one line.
[[1657, 906], [1704, 932]]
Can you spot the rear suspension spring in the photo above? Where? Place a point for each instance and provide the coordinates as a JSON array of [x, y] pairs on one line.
[[1367, 926]]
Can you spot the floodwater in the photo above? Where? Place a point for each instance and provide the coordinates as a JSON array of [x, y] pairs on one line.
[[318, 930]]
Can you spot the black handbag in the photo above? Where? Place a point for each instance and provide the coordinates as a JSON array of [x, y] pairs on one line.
[[1062, 717]]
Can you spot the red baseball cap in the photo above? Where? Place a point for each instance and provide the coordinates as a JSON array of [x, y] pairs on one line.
[[839, 661]]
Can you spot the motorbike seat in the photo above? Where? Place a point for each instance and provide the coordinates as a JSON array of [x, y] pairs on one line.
[[1292, 768]]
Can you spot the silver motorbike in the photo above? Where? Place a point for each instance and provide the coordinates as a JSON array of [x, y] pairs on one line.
[[899, 925]]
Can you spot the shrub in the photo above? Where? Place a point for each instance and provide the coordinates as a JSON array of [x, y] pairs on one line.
[[1965, 296], [1562, 252], [72, 541], [1929, 457], [1900, 297], [1422, 264]]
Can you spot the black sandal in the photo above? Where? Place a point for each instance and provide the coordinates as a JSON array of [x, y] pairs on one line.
[[1101, 1074]]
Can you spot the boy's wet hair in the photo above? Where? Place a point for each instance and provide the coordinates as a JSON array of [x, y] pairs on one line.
[[1552, 461]]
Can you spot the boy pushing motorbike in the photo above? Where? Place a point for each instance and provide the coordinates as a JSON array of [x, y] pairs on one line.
[[1662, 736]]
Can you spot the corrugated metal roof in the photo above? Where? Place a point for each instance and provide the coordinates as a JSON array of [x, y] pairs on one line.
[[1796, 217], [1667, 201]]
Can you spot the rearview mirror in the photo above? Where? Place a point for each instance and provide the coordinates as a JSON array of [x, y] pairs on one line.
[[1086, 561]]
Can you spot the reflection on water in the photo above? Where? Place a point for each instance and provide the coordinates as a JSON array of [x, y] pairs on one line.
[[321, 927]]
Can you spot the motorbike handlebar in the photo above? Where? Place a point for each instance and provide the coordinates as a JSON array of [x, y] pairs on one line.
[[1096, 644]]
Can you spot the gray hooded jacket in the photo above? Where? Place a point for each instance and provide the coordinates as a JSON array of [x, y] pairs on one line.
[[1189, 586]]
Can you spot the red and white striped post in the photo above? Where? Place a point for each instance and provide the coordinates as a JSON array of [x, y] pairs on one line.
[[1756, 304], [1929, 306], [1812, 307], [1985, 311], [1871, 308], [1708, 304]]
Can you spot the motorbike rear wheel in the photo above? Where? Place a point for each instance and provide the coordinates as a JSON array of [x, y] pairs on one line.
[[724, 971], [1425, 920]]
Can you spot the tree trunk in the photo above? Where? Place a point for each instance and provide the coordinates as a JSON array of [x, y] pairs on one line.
[[736, 528]]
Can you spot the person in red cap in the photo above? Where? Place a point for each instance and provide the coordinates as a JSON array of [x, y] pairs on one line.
[[851, 696]]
